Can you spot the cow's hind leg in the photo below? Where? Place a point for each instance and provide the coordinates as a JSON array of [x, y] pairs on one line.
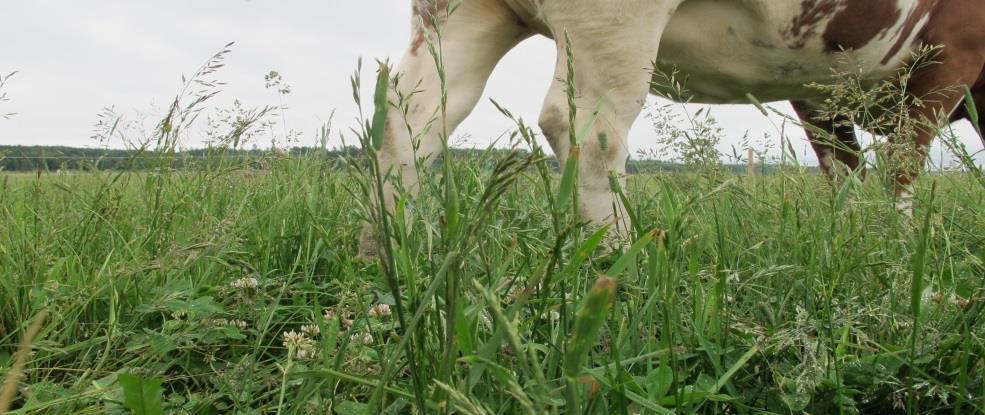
[[474, 37], [938, 88], [613, 54], [837, 146]]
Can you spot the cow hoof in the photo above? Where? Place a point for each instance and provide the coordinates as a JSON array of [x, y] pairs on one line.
[[368, 248], [616, 241], [905, 208], [904, 204]]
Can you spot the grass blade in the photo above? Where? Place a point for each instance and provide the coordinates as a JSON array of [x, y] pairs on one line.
[[381, 107], [626, 259], [969, 102], [585, 335], [569, 179]]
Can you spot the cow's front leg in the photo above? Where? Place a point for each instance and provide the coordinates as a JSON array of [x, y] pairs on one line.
[[473, 38], [613, 54], [839, 149]]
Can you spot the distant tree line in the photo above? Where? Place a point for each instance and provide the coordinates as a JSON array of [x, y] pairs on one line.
[[45, 158]]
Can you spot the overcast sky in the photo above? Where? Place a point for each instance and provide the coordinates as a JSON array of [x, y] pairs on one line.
[[75, 58]]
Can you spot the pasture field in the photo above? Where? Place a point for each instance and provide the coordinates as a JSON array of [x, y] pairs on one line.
[[233, 290]]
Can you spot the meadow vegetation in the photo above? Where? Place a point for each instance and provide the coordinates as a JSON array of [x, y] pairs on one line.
[[235, 287]]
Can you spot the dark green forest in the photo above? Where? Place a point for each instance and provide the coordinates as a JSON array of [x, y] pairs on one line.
[[47, 158]]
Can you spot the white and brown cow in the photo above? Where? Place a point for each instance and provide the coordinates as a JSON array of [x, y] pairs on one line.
[[770, 49]]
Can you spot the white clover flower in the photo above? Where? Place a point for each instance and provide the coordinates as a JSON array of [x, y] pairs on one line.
[[245, 283], [552, 315], [214, 322], [294, 340], [330, 314], [380, 310], [300, 345], [364, 338], [221, 322], [311, 329], [306, 352]]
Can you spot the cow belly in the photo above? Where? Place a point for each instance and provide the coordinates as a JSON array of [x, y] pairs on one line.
[[727, 49]]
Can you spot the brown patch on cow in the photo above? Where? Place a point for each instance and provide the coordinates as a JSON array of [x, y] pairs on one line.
[[418, 41], [426, 13], [980, 83], [805, 25], [922, 9], [858, 23], [955, 26]]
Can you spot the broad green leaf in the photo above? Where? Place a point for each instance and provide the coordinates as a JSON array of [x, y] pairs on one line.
[[142, 396], [350, 408], [659, 381]]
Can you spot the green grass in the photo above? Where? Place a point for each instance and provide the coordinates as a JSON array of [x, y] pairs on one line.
[[232, 286], [780, 294]]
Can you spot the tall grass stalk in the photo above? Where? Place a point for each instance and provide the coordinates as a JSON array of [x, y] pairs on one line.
[[16, 371]]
